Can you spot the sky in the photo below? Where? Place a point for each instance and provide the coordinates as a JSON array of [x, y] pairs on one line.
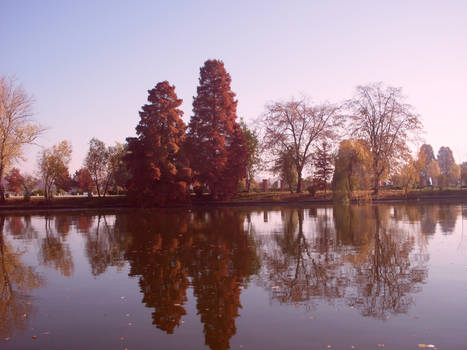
[[89, 64]]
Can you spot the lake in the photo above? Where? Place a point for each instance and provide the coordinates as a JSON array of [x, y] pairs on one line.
[[390, 276]]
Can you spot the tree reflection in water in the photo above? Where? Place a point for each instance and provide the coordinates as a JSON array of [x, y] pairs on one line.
[[54, 250], [447, 217], [16, 282], [209, 250], [361, 257], [295, 269], [20, 227], [364, 257], [104, 245], [385, 272]]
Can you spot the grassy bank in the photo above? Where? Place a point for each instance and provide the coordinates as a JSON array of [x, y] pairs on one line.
[[252, 198], [67, 202]]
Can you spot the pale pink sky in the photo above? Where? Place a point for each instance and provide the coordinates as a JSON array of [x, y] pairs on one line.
[[89, 63]]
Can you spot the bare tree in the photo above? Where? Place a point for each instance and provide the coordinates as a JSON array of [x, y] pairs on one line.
[[16, 125], [295, 126], [380, 116]]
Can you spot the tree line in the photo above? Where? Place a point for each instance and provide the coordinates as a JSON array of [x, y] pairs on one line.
[[358, 144]]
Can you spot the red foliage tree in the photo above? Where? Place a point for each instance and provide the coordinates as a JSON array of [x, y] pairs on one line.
[[64, 181], [82, 179], [158, 170], [15, 181], [215, 143]]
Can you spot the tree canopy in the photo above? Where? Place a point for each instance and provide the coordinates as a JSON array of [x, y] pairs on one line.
[[215, 143], [159, 173], [295, 127], [53, 164], [380, 116], [17, 128]]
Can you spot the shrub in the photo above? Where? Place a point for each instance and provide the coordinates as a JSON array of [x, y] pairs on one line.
[[311, 190]]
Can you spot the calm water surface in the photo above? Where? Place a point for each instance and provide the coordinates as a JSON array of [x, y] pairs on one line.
[[367, 277]]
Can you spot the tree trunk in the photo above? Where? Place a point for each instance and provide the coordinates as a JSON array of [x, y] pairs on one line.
[[300, 181], [376, 184], [2, 188], [378, 171], [98, 191], [2, 191]]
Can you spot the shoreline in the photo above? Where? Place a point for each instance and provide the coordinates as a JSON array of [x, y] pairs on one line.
[[120, 203]]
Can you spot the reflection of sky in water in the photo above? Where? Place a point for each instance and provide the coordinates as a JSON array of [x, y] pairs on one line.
[[317, 283]]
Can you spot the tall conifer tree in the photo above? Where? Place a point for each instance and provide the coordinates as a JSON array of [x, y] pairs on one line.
[[215, 142], [322, 162], [158, 172]]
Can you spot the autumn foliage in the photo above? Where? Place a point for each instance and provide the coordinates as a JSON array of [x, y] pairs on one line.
[[83, 180], [159, 172], [215, 142], [15, 181]]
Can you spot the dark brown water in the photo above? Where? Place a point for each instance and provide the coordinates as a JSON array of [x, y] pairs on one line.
[[368, 277]]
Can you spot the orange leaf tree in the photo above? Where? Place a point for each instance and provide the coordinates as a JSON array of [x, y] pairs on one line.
[[215, 143], [158, 171]]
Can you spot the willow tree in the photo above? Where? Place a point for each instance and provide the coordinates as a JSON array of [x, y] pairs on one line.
[[17, 127], [295, 127], [381, 117], [159, 174], [352, 164], [215, 143]]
